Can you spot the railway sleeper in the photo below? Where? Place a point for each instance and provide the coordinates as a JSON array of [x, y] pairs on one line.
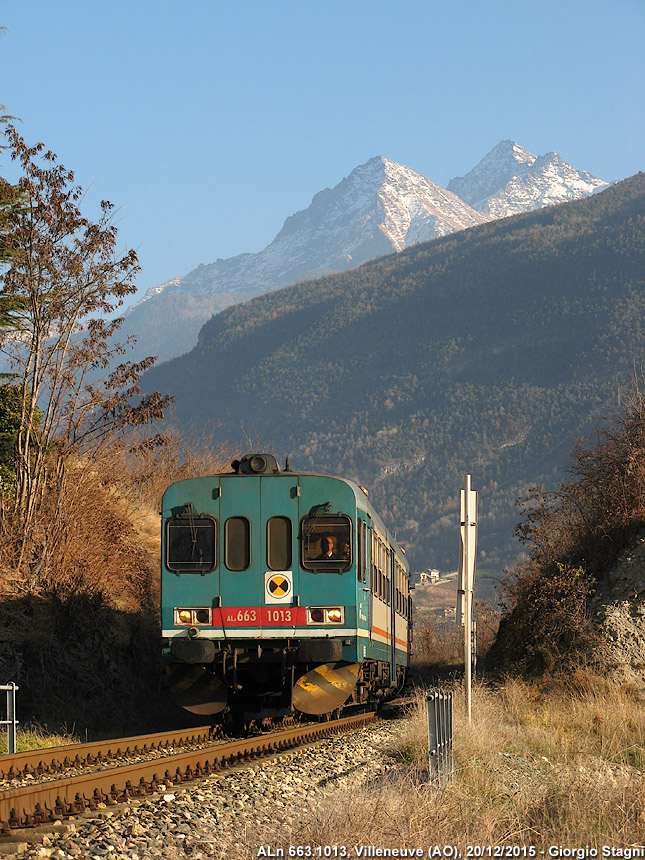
[[45, 811]]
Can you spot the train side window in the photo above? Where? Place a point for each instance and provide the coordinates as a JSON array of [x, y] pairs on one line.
[[191, 544], [327, 543], [360, 560], [279, 543], [398, 588], [237, 543], [388, 576], [361, 568], [365, 552]]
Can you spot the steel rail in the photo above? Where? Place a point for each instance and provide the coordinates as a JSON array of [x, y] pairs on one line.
[[55, 759], [29, 806]]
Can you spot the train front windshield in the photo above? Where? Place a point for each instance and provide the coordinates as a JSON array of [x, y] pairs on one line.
[[191, 544], [326, 543]]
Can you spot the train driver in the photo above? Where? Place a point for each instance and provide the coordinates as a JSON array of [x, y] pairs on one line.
[[327, 547]]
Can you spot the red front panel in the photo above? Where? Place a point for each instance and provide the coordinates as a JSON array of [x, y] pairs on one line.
[[260, 616]]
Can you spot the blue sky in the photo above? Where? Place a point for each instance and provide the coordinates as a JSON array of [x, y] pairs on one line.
[[208, 123]]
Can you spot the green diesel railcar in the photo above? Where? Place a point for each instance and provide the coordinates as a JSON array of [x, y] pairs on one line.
[[281, 591]]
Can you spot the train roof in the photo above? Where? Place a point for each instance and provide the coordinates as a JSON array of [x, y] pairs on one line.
[[261, 465]]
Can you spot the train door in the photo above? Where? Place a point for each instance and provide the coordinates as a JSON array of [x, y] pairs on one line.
[[279, 552], [392, 597], [240, 554], [371, 578], [363, 579]]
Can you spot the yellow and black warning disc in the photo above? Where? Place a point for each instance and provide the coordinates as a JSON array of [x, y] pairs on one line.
[[325, 688], [278, 585]]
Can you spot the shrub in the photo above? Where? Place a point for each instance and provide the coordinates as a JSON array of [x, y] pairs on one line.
[[575, 534]]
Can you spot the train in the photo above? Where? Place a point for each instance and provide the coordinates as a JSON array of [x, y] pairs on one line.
[[282, 594]]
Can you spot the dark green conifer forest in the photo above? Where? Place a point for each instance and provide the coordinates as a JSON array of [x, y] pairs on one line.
[[490, 351]]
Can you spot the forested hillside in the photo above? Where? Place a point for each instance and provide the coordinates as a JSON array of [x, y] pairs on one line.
[[489, 351]]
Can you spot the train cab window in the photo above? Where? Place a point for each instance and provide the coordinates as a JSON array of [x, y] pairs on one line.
[[279, 543], [327, 543], [237, 543], [191, 544]]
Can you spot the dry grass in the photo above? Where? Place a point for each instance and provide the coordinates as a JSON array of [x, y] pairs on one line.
[[36, 738], [537, 766]]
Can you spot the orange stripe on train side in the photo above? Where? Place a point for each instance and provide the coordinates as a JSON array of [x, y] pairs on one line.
[[388, 637]]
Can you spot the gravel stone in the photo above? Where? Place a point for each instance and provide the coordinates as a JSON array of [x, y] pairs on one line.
[[195, 819]]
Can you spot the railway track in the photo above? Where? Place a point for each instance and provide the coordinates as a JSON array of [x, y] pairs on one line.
[[59, 798], [55, 760]]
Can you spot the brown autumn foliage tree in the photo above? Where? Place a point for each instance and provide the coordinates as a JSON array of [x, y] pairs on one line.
[[63, 278], [575, 534]]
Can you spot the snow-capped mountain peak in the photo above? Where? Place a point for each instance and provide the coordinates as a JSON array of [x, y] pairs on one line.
[[494, 171], [510, 179], [381, 207]]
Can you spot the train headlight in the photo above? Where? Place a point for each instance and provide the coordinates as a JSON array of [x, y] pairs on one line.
[[198, 617], [257, 464], [325, 615]]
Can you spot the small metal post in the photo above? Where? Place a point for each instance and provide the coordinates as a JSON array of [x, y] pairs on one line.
[[451, 763], [433, 741], [11, 722], [11, 718], [440, 764]]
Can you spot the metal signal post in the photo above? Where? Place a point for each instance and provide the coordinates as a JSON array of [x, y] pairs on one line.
[[466, 580]]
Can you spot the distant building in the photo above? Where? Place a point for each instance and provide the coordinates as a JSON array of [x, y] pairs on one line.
[[429, 577]]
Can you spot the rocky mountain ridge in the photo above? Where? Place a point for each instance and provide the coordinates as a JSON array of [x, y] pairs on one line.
[[510, 179], [380, 208]]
